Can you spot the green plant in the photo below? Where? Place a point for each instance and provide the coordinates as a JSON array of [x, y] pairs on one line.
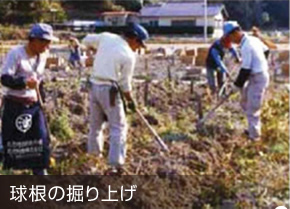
[[60, 126]]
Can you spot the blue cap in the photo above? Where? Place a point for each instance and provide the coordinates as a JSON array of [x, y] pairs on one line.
[[42, 31], [230, 26], [140, 32]]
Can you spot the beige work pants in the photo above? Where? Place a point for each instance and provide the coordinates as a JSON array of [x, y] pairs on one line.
[[252, 99], [99, 107]]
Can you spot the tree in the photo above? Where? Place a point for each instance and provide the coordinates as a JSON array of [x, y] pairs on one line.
[[130, 5], [92, 5], [23, 12], [278, 13], [6, 8], [48, 11], [258, 12]]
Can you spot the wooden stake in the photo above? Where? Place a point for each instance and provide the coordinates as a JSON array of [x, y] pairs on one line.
[[146, 64], [146, 92], [191, 86], [199, 106], [169, 73]]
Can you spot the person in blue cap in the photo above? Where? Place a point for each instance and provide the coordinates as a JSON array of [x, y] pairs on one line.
[[24, 129], [75, 53], [111, 78], [215, 64], [253, 77]]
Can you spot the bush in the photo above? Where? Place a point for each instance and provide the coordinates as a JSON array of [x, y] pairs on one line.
[[13, 33], [60, 126]]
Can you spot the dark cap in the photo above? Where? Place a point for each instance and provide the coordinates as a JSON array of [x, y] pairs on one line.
[[139, 31]]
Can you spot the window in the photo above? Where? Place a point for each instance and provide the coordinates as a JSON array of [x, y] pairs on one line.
[[183, 22], [153, 22], [114, 20]]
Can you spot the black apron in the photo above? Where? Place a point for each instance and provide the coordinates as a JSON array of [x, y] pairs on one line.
[[25, 136]]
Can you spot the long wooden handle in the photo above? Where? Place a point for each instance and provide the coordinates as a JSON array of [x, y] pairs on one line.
[[157, 137], [42, 107], [229, 77], [201, 121], [39, 95]]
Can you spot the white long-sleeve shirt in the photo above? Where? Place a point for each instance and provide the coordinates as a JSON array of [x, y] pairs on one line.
[[253, 57], [114, 60]]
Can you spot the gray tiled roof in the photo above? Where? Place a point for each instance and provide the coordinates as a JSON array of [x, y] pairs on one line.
[[179, 9]]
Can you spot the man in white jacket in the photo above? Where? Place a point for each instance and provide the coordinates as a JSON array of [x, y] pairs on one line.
[[111, 78]]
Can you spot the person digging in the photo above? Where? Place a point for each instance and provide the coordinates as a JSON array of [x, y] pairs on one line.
[[253, 77], [111, 77], [215, 63]]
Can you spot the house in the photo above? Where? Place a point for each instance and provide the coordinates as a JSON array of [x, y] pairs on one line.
[[184, 14], [77, 25], [118, 18]]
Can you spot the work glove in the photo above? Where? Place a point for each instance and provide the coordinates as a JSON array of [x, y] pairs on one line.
[[131, 105], [238, 60]]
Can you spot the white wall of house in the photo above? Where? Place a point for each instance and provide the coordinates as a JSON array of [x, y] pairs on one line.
[[219, 20], [210, 21], [216, 22], [217, 33], [164, 21], [213, 21], [147, 20], [132, 18]]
